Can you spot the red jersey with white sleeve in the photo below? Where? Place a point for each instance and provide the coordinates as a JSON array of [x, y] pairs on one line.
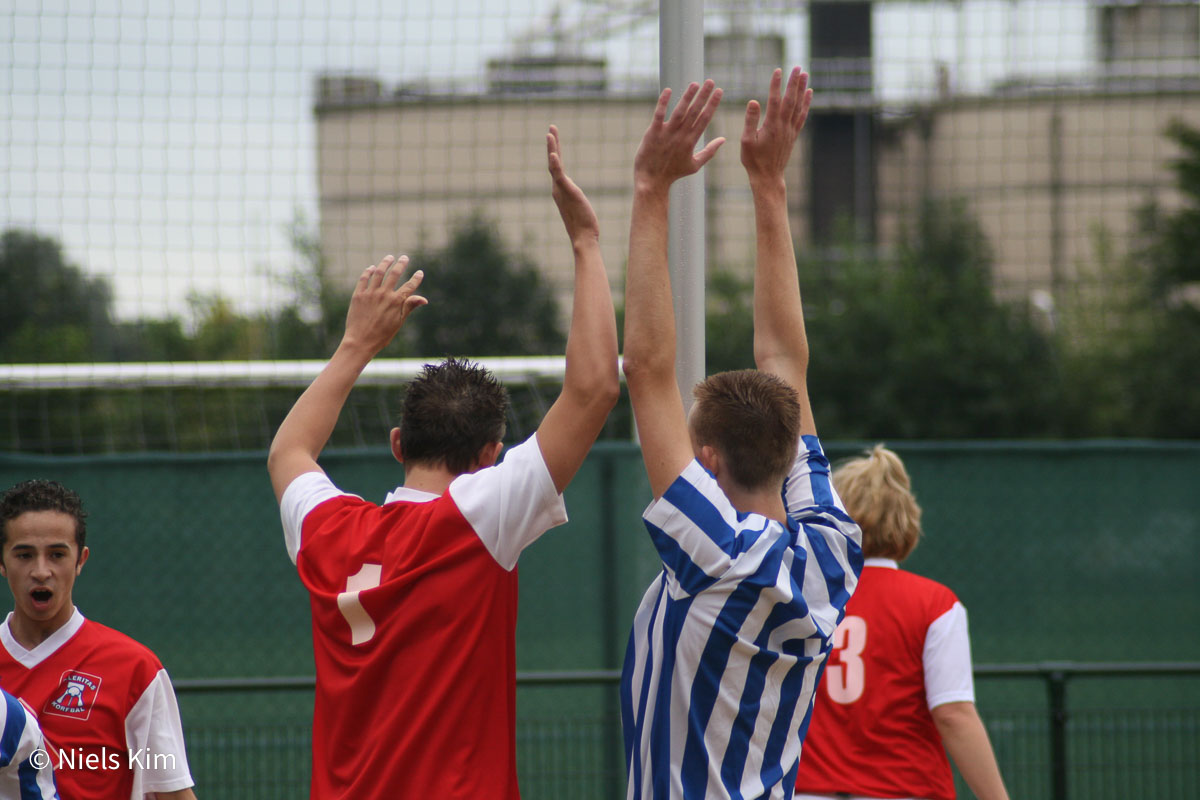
[[106, 708], [901, 650], [414, 612]]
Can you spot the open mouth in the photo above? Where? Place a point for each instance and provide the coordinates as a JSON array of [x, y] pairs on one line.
[[41, 597]]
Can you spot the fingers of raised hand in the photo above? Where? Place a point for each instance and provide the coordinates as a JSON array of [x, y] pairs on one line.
[[710, 150], [410, 300], [802, 112], [791, 97], [374, 275], [679, 115], [660, 110], [774, 97], [694, 102], [394, 270], [710, 99], [553, 151], [753, 114], [412, 303], [798, 96]]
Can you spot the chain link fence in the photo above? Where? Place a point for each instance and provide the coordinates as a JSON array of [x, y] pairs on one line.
[[1082, 552], [190, 181]]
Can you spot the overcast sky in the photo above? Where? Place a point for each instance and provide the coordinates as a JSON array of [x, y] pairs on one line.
[[167, 145]]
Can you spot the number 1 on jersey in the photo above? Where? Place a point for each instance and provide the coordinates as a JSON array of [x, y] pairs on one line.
[[362, 627], [845, 681]]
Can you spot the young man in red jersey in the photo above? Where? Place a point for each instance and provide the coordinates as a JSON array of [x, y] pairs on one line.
[[414, 602], [104, 701]]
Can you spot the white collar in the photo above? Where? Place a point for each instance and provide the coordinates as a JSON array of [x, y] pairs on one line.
[[31, 658], [405, 494], [887, 563]]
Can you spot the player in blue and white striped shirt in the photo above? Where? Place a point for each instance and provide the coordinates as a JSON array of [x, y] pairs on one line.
[[25, 769], [759, 556]]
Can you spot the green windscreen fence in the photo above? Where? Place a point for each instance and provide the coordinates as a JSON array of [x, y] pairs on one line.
[[1082, 552]]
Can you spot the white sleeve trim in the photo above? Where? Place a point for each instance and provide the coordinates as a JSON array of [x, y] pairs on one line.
[[511, 504], [154, 736], [947, 659], [302, 495]]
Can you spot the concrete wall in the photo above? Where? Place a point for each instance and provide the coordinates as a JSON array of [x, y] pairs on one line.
[[1041, 172]]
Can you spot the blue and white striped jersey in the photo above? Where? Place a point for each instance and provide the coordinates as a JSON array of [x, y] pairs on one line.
[[25, 769], [730, 640]]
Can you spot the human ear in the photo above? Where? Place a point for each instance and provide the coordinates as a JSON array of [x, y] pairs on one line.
[[394, 441]]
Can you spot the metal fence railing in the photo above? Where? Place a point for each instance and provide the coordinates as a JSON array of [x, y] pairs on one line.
[[1055, 751]]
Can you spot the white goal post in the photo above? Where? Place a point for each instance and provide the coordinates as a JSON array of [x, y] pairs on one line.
[[250, 374]]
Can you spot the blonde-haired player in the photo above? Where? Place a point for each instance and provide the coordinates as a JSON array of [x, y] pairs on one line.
[[898, 691]]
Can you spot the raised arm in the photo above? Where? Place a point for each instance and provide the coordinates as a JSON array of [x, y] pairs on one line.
[[378, 310], [780, 344], [591, 385], [667, 153]]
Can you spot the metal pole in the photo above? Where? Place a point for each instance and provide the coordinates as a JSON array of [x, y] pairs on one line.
[[681, 61], [614, 762], [1056, 684]]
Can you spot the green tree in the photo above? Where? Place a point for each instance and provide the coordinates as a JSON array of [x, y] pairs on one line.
[[483, 299], [908, 344], [310, 326], [53, 310], [1131, 334], [916, 345], [728, 323]]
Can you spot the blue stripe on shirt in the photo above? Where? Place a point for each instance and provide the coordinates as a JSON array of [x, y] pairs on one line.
[[831, 569], [692, 579], [789, 696], [818, 476], [706, 685], [734, 762], [693, 504], [675, 615], [27, 780], [638, 712], [14, 726]]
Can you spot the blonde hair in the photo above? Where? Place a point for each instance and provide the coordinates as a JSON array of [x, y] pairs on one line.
[[877, 493]]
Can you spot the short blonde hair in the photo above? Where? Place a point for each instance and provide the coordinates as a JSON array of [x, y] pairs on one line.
[[877, 493]]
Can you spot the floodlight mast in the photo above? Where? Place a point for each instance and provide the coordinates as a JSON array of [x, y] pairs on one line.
[[681, 61]]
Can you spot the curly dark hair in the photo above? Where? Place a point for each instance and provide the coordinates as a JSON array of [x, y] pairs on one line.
[[42, 495], [451, 411]]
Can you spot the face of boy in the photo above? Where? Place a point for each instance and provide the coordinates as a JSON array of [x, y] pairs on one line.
[[41, 561]]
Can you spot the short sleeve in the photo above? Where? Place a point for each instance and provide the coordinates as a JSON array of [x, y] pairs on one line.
[[154, 735], [302, 495], [511, 504], [808, 488], [947, 659], [834, 539]]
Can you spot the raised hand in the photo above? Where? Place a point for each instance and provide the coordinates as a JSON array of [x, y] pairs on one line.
[[378, 308], [573, 206], [766, 150], [668, 149]]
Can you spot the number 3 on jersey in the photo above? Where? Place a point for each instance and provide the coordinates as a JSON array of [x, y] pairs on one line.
[[362, 627], [844, 681]]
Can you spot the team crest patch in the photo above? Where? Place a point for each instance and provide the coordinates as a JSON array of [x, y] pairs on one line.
[[75, 695]]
